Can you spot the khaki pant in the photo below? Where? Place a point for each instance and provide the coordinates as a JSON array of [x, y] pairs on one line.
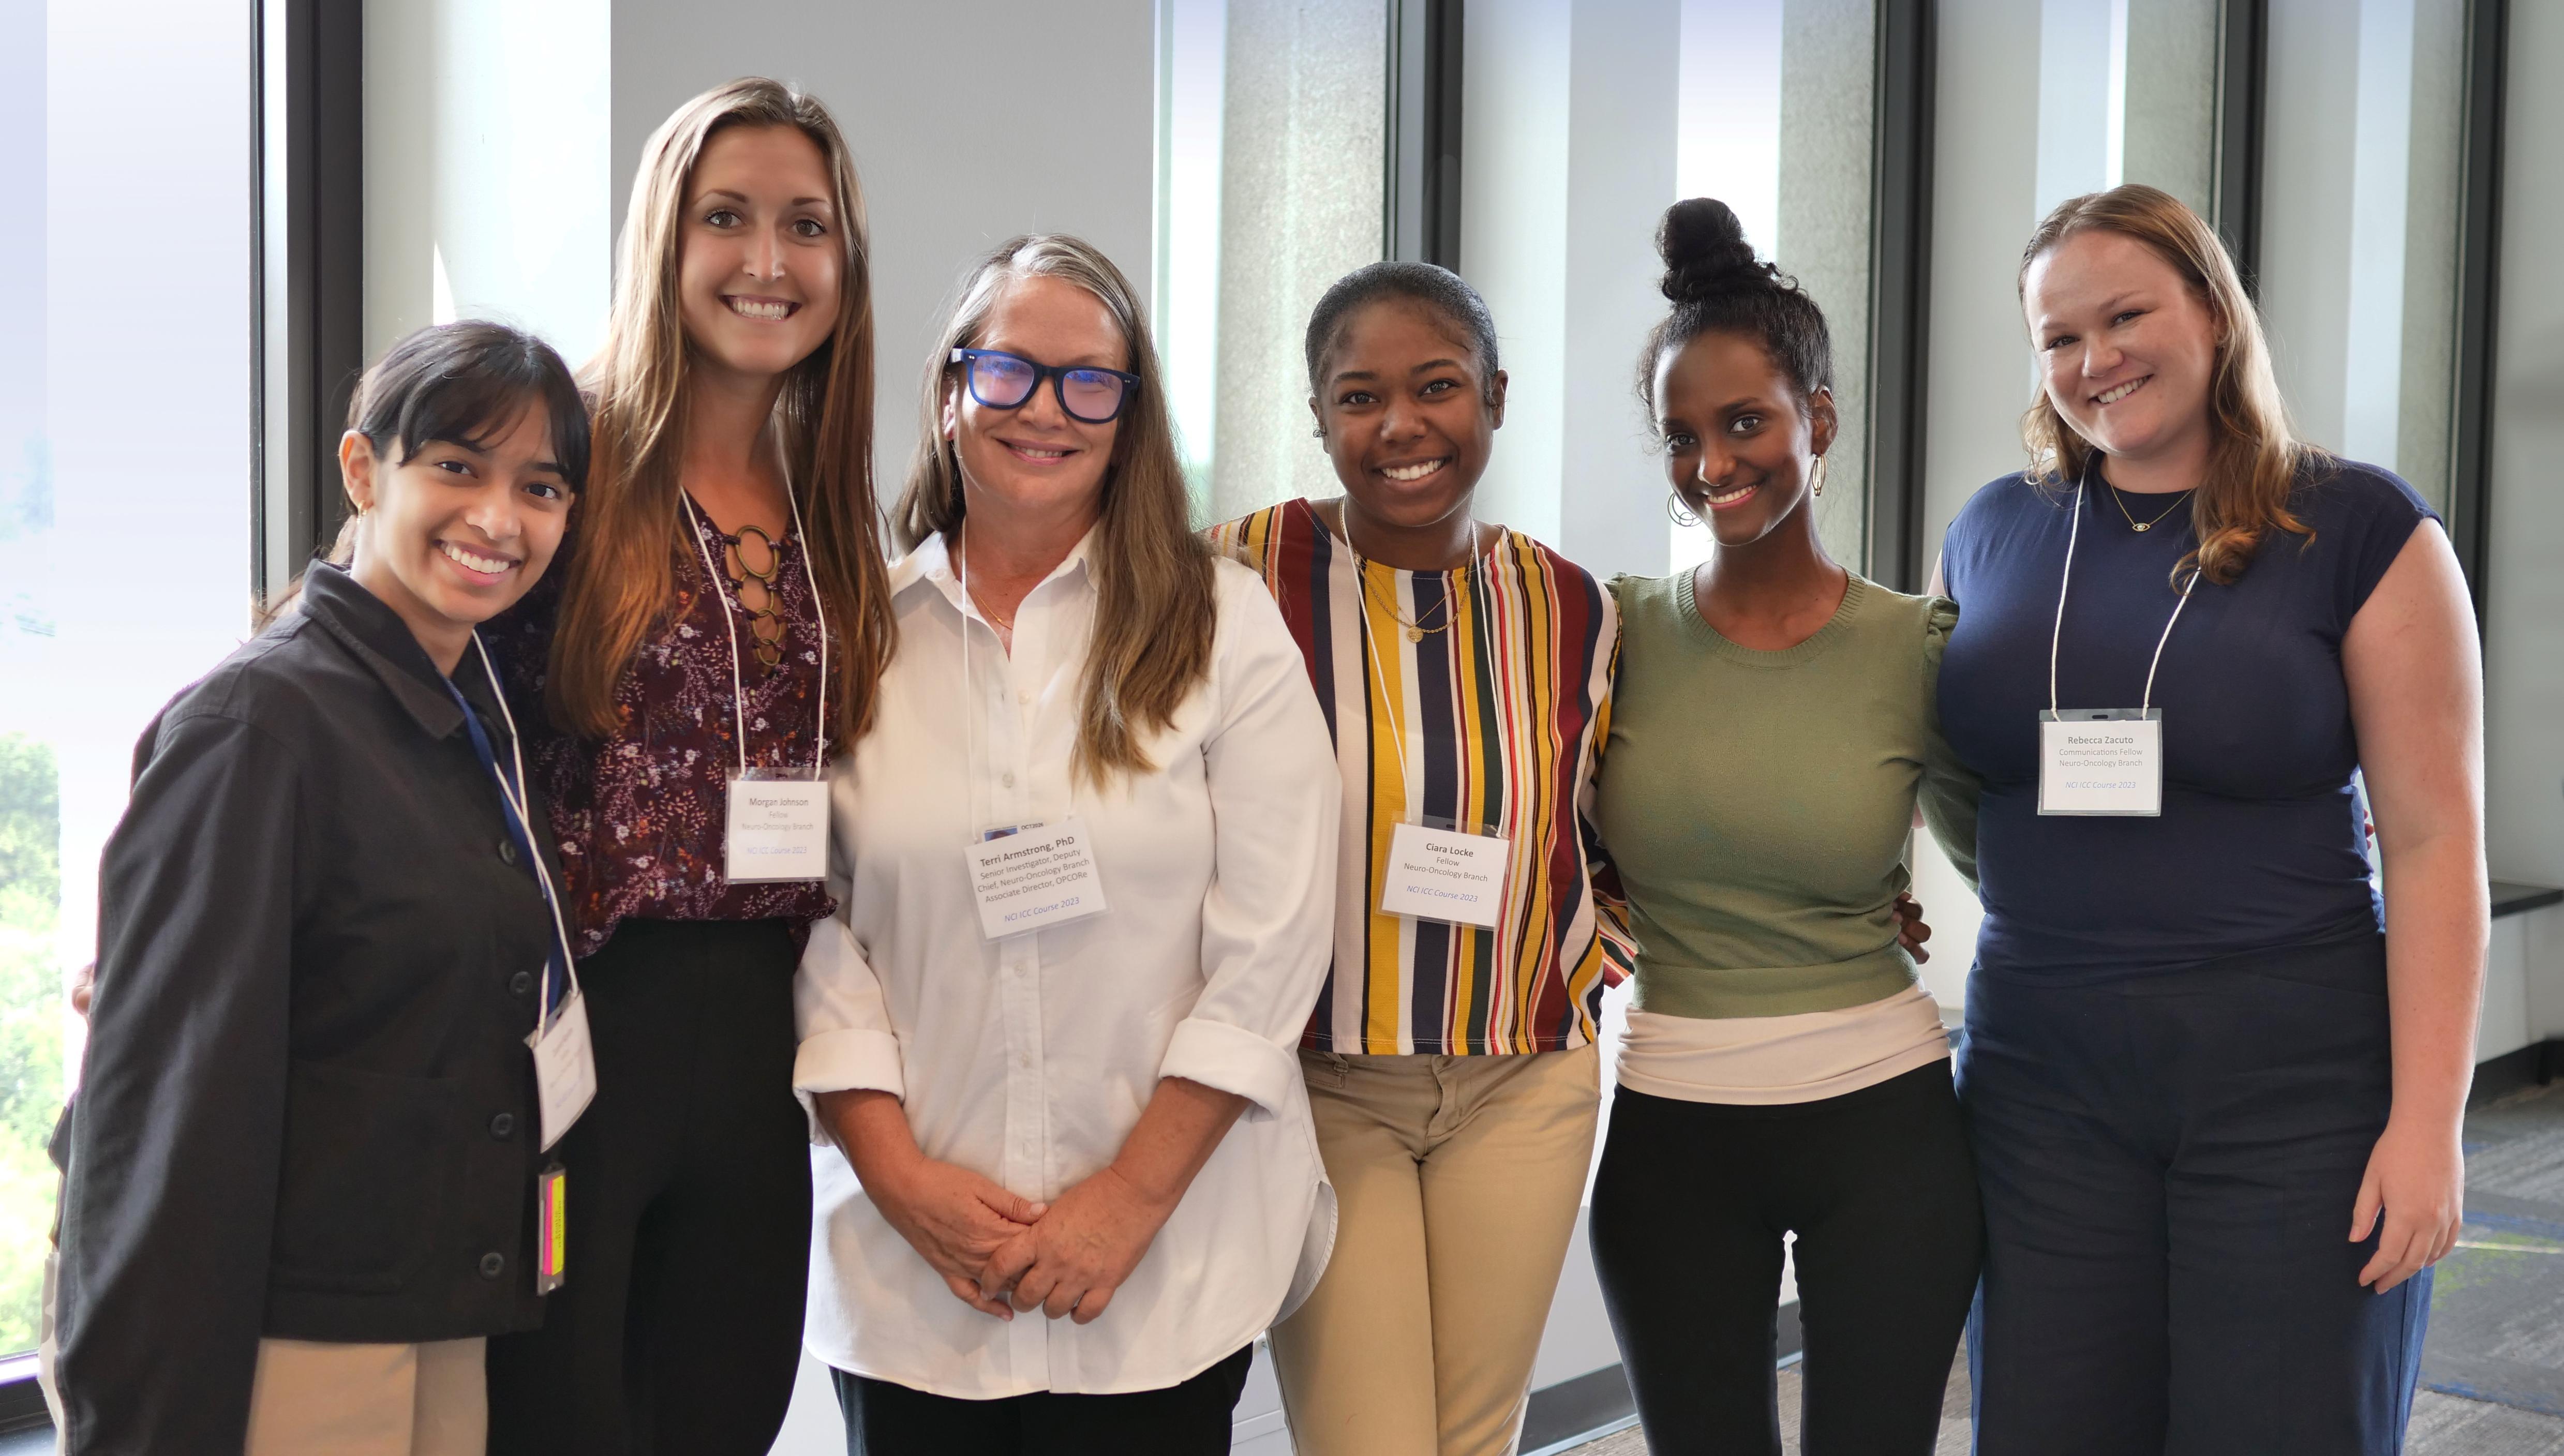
[[320, 1399], [1457, 1180]]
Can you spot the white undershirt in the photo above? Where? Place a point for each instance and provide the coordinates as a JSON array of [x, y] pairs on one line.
[[1765, 1060]]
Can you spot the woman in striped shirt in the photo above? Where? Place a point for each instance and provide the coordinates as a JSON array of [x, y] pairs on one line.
[[1464, 671]]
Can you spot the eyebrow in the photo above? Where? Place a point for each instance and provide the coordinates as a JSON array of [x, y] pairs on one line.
[[1341, 375], [710, 193]]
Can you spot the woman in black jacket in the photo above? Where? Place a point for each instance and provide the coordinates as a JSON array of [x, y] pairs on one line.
[[306, 1159]]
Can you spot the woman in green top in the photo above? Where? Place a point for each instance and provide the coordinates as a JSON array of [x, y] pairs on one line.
[[1783, 1072]]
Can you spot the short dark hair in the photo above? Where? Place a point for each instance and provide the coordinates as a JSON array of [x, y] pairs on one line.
[[1398, 281], [1717, 286], [464, 383]]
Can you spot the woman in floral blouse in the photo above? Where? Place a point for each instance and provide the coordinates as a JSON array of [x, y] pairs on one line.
[[716, 637]]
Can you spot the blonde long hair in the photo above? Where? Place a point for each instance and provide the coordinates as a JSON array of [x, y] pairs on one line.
[[1153, 611], [2254, 458], [619, 584]]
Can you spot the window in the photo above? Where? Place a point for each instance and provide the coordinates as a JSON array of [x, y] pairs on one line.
[[1272, 129], [124, 488]]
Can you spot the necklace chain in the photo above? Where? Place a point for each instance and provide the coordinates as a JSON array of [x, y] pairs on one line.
[[2133, 521], [1417, 631]]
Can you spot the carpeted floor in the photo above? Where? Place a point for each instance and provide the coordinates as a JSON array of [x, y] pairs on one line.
[[2492, 1374]]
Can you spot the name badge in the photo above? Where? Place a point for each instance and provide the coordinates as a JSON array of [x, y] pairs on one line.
[[1034, 876], [778, 829], [2101, 761], [1445, 875], [564, 1067]]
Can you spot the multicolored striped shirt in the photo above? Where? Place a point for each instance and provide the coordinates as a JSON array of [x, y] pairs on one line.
[[1492, 719]]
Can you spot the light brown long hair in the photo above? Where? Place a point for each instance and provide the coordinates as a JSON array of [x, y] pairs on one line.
[[2254, 458], [620, 581], [1154, 607]]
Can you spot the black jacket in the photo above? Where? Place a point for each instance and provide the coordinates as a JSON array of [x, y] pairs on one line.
[[307, 1110]]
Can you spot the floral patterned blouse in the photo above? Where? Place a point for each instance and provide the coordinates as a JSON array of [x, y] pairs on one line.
[[641, 813]]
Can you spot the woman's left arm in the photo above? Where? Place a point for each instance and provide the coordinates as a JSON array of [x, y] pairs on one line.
[[1267, 936], [2416, 677]]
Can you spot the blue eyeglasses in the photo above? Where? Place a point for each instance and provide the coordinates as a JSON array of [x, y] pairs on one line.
[[1001, 380]]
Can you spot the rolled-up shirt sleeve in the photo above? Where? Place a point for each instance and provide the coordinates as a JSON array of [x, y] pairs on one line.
[[1268, 915], [847, 1043]]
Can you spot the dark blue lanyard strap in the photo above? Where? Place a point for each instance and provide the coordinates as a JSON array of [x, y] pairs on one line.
[[556, 963]]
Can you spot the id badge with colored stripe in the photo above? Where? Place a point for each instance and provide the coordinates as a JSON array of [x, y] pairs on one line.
[[551, 1228]]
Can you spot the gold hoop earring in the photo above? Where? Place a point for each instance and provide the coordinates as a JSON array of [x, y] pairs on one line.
[[1677, 512], [1820, 477]]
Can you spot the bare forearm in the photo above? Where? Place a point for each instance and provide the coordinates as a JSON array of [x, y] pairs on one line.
[[1177, 1133], [871, 1129], [2438, 929]]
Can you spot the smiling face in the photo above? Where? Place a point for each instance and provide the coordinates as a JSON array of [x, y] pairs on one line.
[[1740, 447], [760, 260], [456, 533], [1036, 457], [1407, 417], [2126, 348]]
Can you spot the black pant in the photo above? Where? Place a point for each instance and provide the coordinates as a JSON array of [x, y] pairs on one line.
[[679, 1330], [2169, 1165], [1688, 1213], [1190, 1419]]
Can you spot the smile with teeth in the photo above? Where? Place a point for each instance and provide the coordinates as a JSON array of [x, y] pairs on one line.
[[2119, 392], [1040, 453], [471, 561], [1408, 473], [769, 310], [1720, 499]]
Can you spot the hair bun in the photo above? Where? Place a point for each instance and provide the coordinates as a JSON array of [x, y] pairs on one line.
[[1705, 252]]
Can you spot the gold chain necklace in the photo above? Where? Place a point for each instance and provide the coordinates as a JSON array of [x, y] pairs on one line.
[[765, 625], [1414, 626], [2134, 523]]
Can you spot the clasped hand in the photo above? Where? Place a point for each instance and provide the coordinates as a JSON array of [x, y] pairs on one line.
[[1000, 1253]]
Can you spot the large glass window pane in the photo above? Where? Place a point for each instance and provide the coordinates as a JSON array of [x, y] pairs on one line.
[[2359, 234], [124, 486], [1271, 150], [1776, 121]]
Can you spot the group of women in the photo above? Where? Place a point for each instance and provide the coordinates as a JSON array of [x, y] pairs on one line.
[[1061, 952]]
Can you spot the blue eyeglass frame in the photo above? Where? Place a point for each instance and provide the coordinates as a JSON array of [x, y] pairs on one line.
[[1057, 374]]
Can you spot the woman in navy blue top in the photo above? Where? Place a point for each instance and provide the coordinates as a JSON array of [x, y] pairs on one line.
[[2215, 1102]]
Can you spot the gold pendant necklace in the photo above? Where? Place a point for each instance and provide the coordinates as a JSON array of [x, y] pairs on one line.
[[2144, 526], [765, 626]]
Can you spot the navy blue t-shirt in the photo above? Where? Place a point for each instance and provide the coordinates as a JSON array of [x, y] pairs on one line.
[[2261, 843]]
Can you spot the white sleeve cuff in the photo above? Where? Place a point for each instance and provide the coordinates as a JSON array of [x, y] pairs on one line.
[[852, 1059], [1231, 1059]]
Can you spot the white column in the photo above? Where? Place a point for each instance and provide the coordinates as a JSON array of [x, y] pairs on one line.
[[488, 167]]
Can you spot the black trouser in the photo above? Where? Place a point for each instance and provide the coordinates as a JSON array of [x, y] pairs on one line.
[[679, 1330], [1190, 1419], [2169, 1163], [1688, 1213]]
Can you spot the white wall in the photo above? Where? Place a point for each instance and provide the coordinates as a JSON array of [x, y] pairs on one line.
[[487, 161], [969, 122]]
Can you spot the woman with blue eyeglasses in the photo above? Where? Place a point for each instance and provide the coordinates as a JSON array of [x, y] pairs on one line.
[[1084, 863]]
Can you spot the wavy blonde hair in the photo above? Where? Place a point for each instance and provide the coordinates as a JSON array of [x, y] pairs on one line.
[[1153, 610], [618, 585], [2254, 458]]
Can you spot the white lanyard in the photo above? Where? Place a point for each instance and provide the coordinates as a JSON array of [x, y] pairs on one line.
[[1024, 876], [730, 620], [517, 800], [1452, 874], [2059, 635]]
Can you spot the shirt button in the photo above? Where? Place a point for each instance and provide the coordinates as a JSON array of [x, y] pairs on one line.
[[1008, 781], [1024, 695], [507, 850], [492, 1265], [502, 1124], [1025, 1061], [521, 983]]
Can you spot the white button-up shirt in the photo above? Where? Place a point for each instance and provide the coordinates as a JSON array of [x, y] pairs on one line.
[[1028, 1060]]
